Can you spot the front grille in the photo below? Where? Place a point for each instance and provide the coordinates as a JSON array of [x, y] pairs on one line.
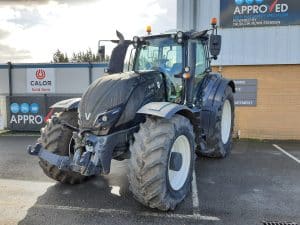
[[278, 223]]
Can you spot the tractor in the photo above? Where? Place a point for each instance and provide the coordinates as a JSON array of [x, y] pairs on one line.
[[157, 109]]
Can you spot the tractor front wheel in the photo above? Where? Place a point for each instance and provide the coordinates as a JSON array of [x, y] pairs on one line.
[[161, 163], [58, 139]]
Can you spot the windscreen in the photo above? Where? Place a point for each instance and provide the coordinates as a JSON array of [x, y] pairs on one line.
[[163, 55]]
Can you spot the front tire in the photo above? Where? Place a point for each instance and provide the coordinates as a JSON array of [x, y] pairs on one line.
[[57, 139], [162, 161]]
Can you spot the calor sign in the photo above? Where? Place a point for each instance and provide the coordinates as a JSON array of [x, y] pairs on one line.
[[41, 80]]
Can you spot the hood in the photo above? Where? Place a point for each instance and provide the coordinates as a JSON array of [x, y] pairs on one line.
[[104, 94]]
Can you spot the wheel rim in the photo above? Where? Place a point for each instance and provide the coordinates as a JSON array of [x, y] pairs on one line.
[[226, 121], [177, 178]]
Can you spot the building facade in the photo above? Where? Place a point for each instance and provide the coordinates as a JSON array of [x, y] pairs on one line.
[[261, 42]]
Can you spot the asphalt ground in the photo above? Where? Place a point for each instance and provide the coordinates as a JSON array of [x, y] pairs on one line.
[[258, 182]]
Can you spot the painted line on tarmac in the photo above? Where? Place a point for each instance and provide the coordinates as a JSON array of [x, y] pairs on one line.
[[286, 153], [129, 213], [195, 199], [195, 192]]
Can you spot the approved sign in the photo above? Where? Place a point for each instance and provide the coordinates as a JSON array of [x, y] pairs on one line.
[[41, 80]]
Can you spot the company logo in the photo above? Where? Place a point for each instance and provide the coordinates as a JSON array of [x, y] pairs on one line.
[[259, 7], [14, 108], [34, 108], [22, 114], [87, 116], [24, 108], [248, 2], [40, 74]]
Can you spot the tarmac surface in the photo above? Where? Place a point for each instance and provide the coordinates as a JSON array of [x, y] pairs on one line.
[[259, 181]]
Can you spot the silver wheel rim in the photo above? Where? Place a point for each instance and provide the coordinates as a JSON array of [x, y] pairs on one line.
[[178, 178], [226, 121]]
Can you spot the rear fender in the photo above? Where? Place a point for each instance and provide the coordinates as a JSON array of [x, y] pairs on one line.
[[212, 89]]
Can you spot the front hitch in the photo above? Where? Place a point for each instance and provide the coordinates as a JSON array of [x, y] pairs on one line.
[[62, 162], [96, 157]]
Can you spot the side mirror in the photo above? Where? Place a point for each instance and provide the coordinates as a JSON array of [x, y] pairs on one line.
[[215, 45], [101, 52]]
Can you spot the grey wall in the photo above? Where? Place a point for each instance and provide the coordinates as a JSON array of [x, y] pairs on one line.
[[69, 78], [4, 89], [242, 46]]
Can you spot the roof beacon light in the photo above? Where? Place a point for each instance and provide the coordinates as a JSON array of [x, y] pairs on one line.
[[214, 21], [148, 29]]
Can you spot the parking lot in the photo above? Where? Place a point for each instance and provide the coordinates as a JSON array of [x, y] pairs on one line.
[[260, 181]]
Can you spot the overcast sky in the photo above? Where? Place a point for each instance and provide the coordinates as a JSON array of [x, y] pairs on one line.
[[32, 30]]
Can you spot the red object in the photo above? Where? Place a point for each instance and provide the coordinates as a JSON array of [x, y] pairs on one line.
[[48, 116], [272, 6], [40, 74]]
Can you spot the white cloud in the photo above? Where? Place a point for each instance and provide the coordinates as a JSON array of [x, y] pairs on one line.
[[43, 28]]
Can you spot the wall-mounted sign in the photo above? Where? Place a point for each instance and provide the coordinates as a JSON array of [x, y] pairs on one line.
[[41, 80], [25, 113], [253, 13], [246, 92]]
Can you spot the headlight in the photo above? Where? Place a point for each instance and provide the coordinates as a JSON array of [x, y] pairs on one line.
[[106, 119], [179, 37], [135, 39], [179, 34]]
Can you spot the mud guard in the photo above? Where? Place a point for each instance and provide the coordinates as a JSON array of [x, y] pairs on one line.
[[211, 92], [165, 110], [67, 105]]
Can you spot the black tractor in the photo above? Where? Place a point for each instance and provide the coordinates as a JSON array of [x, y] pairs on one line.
[[158, 105]]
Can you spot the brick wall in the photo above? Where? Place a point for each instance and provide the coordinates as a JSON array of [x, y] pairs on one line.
[[277, 114]]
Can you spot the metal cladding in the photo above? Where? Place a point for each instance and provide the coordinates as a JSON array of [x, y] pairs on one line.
[[243, 45]]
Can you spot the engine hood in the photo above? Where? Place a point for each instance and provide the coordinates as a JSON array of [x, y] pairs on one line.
[[104, 94]]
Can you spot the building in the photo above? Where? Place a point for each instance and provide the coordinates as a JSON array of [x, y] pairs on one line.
[[260, 42]]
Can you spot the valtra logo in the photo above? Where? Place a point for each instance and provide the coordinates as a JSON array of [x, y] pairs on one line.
[[40, 74]]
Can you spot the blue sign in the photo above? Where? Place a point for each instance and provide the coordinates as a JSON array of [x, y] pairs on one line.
[[34, 108], [239, 2], [14, 107], [254, 13], [25, 108]]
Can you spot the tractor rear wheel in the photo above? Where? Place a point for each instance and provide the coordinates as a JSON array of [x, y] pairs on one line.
[[57, 139], [162, 161], [220, 144]]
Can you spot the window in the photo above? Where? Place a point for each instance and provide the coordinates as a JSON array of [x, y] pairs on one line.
[[129, 58], [200, 60]]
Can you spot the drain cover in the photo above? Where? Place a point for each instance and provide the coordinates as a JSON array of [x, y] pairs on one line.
[[278, 223]]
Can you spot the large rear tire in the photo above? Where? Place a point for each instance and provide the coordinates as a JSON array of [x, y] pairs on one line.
[[162, 161], [220, 144], [57, 139]]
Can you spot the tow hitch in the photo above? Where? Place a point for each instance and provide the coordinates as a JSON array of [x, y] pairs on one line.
[[95, 159]]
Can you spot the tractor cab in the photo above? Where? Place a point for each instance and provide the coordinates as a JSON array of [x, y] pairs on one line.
[[183, 58]]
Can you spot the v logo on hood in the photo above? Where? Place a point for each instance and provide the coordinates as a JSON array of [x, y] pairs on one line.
[[87, 116]]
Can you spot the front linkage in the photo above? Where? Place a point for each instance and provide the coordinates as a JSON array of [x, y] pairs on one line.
[[94, 160]]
